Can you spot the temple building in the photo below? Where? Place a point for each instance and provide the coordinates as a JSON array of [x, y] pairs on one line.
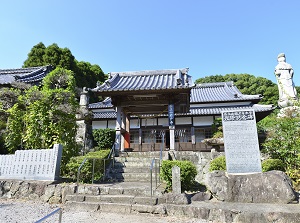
[[30, 75], [147, 108]]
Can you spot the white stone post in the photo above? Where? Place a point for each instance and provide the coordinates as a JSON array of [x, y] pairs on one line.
[[176, 180]]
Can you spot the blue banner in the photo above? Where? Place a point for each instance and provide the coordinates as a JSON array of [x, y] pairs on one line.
[[171, 115]]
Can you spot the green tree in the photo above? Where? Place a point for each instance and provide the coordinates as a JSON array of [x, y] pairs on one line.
[[248, 84], [41, 118], [283, 140], [86, 75], [35, 56]]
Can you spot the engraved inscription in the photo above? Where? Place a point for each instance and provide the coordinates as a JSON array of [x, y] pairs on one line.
[[241, 142]]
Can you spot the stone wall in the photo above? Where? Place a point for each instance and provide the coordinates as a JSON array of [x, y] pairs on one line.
[[200, 159], [45, 191]]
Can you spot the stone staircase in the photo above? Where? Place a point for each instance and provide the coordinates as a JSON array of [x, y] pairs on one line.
[[133, 167], [128, 190], [119, 198]]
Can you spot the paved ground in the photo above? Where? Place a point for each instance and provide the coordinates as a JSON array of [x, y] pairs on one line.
[[20, 211]]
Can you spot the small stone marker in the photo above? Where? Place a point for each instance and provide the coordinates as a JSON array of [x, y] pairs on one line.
[[42, 164], [241, 142], [176, 181]]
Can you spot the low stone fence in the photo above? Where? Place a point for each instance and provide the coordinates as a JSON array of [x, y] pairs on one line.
[[40, 164]]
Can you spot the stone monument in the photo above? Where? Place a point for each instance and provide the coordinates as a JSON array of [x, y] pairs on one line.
[[284, 75], [241, 142], [176, 181], [38, 164]]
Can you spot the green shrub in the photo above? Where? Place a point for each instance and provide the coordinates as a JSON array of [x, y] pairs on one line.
[[218, 163], [188, 173], [104, 138], [272, 164], [86, 171], [295, 177]]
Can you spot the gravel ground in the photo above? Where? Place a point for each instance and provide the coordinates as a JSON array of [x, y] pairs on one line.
[[21, 211]]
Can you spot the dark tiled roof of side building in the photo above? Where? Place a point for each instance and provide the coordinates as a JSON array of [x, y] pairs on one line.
[[106, 103], [146, 80], [31, 75], [219, 92]]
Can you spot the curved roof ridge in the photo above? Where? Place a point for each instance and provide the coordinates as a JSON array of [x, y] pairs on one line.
[[215, 84], [24, 70], [150, 72]]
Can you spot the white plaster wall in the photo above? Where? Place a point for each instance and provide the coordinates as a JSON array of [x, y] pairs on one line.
[[163, 121], [203, 121], [99, 124], [149, 122], [111, 124], [183, 121]]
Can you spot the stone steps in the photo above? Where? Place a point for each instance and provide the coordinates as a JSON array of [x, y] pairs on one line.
[[134, 159], [133, 167], [142, 154], [122, 197], [134, 176], [117, 199], [114, 208], [210, 211], [141, 189]]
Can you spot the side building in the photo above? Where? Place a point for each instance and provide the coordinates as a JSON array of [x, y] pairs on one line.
[[145, 97], [30, 75]]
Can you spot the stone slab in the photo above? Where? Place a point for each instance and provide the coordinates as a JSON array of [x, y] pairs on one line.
[[241, 142], [40, 164]]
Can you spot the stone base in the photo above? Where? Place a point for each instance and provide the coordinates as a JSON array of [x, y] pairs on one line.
[[268, 187]]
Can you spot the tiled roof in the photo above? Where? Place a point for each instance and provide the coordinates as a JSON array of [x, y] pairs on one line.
[[105, 115], [219, 92], [197, 111], [146, 80], [31, 75], [219, 109], [204, 93], [106, 103]]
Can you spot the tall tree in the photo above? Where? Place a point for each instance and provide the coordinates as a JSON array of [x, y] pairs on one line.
[[86, 75], [36, 56], [248, 84], [41, 118]]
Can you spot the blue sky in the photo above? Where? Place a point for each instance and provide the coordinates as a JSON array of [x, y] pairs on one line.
[[210, 37]]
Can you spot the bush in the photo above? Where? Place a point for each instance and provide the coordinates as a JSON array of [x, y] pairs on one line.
[[295, 177], [86, 171], [188, 173], [218, 163], [104, 138], [272, 164]]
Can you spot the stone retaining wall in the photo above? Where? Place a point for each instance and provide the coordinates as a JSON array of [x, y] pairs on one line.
[[36, 190]]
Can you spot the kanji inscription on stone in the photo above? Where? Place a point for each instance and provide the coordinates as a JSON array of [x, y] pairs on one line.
[[241, 142]]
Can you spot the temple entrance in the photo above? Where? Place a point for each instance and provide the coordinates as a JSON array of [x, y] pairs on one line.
[[146, 95]]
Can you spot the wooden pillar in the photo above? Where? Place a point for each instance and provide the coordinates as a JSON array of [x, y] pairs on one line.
[[127, 132], [123, 121], [118, 129]]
